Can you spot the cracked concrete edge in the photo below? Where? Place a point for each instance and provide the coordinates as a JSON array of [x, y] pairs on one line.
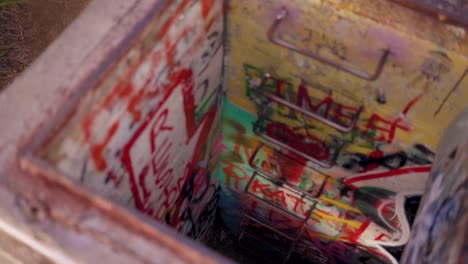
[[58, 75]]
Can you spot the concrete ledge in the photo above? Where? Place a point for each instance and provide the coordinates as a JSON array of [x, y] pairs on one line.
[[74, 230]]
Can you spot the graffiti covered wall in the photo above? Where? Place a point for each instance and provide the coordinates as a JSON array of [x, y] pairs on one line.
[[330, 124], [328, 128], [145, 135]]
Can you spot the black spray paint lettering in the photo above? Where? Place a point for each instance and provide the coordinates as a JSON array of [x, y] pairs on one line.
[[418, 154], [215, 43], [183, 213]]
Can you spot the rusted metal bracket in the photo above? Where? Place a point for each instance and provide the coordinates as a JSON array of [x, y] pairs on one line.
[[272, 36], [259, 169], [330, 163], [310, 114]]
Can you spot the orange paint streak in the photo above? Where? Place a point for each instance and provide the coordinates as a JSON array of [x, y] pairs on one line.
[[197, 43], [412, 103], [355, 237], [170, 21], [98, 149], [170, 51], [234, 175], [126, 90], [121, 89], [206, 6], [171, 46], [135, 101], [211, 21], [133, 105], [382, 236], [247, 153], [87, 125]]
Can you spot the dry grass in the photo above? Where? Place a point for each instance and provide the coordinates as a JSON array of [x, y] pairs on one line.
[[27, 27], [15, 54]]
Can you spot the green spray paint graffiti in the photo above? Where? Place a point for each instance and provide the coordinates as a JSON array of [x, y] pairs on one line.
[[359, 200]]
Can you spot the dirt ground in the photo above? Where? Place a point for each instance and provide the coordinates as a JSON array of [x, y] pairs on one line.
[[27, 29]]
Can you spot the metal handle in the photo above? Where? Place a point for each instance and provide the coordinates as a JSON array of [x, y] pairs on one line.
[[279, 100], [283, 145], [358, 73], [302, 216], [276, 178]]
